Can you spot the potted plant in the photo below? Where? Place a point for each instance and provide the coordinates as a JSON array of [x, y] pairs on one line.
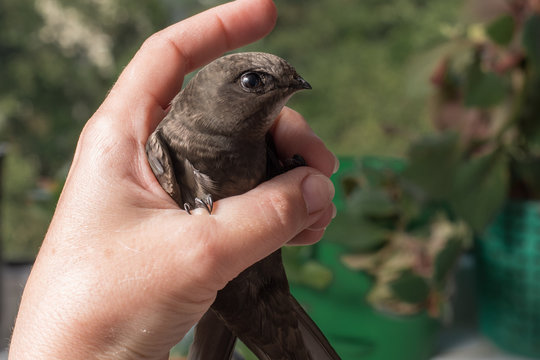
[[488, 90], [402, 226], [391, 250]]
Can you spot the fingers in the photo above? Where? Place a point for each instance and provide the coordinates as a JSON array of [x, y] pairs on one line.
[[293, 135], [307, 237], [156, 72], [316, 230], [264, 219], [325, 219]]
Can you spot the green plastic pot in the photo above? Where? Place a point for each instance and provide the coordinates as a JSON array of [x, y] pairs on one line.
[[509, 279], [356, 330]]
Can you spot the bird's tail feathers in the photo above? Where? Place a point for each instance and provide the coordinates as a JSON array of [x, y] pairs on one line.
[[213, 340], [313, 337]]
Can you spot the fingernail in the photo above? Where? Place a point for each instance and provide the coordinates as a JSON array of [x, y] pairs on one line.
[[334, 211], [318, 192], [336, 165]]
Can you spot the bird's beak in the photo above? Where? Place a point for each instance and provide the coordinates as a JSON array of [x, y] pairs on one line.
[[299, 83]]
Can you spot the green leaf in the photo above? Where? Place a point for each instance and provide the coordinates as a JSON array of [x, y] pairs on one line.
[[480, 189], [314, 275], [531, 36], [372, 203], [295, 256], [410, 288], [349, 184], [483, 89], [445, 261], [433, 162], [501, 31], [527, 170], [302, 269], [356, 234], [527, 116], [380, 170]]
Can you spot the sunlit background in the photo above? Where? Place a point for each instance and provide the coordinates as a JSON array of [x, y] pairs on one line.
[[59, 58]]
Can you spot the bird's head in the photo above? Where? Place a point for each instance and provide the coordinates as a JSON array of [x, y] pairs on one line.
[[245, 91]]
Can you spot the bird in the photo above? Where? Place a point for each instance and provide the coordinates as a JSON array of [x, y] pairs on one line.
[[215, 143]]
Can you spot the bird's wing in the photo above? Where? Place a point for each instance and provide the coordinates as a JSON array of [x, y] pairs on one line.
[[309, 339], [160, 161], [213, 340], [316, 342], [272, 324]]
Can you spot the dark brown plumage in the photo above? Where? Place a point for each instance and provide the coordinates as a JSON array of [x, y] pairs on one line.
[[214, 143]]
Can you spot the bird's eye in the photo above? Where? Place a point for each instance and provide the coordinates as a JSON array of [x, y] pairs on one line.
[[250, 80]]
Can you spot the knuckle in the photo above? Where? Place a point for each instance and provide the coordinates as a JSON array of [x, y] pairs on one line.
[[153, 40], [281, 210], [161, 40], [207, 259], [98, 139]]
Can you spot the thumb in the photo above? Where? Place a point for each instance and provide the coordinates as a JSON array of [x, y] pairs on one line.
[[262, 220]]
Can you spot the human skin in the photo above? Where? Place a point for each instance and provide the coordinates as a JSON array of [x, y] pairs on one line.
[[124, 273]]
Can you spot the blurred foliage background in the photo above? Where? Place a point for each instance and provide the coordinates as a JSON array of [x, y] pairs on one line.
[[368, 61]]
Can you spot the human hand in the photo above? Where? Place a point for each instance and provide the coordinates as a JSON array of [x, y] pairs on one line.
[[123, 272]]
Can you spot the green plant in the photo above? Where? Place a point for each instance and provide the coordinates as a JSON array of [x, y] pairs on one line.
[[302, 269], [488, 90], [408, 242], [406, 227]]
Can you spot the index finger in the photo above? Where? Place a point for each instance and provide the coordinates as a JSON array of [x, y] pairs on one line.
[[156, 72], [293, 135]]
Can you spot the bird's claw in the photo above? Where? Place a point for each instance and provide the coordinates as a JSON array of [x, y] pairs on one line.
[[207, 204]]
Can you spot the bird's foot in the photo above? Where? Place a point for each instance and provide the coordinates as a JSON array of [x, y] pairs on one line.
[[207, 204], [294, 162]]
